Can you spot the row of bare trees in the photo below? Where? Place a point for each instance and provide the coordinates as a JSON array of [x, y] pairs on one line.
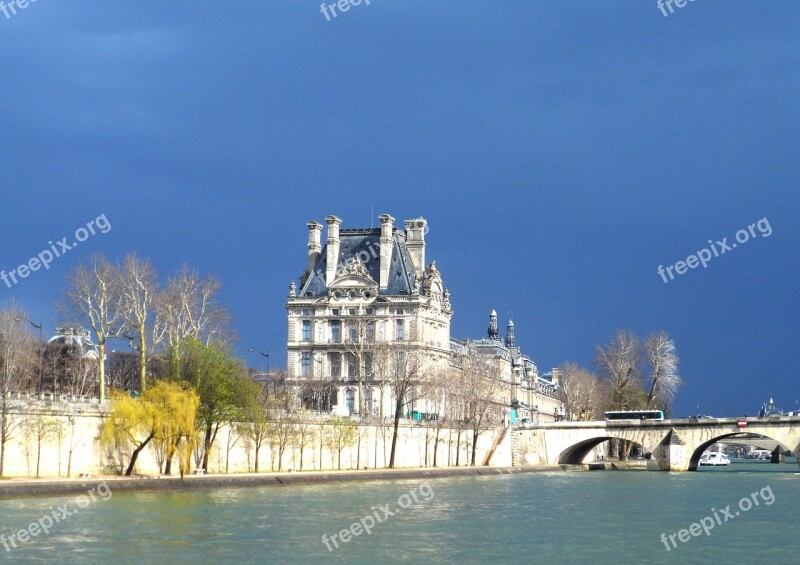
[[126, 301], [467, 390], [633, 375]]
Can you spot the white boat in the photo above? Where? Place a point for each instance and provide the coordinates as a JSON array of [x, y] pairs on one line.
[[714, 459]]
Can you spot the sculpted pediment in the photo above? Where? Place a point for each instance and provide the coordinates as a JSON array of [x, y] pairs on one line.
[[353, 281]]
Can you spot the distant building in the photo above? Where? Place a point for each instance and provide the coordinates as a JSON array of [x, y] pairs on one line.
[[78, 338], [529, 396], [373, 285]]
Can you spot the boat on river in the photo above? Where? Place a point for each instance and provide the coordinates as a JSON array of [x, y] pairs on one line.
[[714, 459]]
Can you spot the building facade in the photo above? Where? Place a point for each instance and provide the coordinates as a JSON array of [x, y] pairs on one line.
[[372, 286]]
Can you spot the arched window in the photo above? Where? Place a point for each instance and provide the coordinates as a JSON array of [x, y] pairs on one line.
[[368, 400]]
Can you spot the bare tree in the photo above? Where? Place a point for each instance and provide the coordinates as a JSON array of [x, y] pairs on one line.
[[435, 390], [619, 363], [257, 428], [139, 287], [80, 377], [402, 367], [454, 406], [41, 430], [580, 391], [304, 431], [359, 342], [188, 308], [18, 357], [282, 431], [481, 394], [662, 359], [94, 293]]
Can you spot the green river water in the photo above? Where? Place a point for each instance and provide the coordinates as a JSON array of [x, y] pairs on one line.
[[589, 517]]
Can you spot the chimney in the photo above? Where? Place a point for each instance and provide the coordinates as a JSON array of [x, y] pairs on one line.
[[332, 258], [386, 248], [493, 333], [510, 339], [415, 242], [314, 247]]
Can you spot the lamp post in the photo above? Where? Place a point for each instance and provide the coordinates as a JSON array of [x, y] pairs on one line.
[[251, 350], [41, 355]]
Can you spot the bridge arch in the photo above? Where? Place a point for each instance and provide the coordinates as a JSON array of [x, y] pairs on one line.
[[576, 453], [697, 453]]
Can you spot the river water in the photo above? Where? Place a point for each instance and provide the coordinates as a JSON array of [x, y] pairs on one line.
[[592, 517]]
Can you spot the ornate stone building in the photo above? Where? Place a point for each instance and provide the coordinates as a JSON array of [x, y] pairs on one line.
[[365, 286], [368, 286]]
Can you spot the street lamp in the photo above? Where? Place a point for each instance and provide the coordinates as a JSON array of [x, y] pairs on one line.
[[250, 350], [41, 355]]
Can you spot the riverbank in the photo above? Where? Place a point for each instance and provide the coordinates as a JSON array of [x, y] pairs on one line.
[[15, 488]]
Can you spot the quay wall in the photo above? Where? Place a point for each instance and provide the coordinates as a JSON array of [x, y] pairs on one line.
[[78, 432]]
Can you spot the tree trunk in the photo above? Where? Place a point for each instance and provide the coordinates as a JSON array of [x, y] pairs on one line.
[[302, 444], [358, 453], [142, 358], [397, 408], [3, 440], [101, 348], [38, 455], [475, 433], [136, 453], [206, 446], [435, 446]]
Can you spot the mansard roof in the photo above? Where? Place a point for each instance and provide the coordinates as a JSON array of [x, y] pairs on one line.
[[364, 245]]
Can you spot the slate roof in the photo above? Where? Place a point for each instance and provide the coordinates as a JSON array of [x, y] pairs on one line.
[[402, 275]]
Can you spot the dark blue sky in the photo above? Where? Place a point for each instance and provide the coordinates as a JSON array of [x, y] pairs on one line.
[[561, 152]]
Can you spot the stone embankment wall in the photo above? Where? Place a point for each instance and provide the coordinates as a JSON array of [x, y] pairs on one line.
[[78, 431]]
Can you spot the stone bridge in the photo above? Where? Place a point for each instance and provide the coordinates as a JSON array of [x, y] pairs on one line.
[[676, 445]]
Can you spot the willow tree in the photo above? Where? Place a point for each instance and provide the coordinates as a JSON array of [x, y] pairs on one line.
[[163, 412], [179, 404]]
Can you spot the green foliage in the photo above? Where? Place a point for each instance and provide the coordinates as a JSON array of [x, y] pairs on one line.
[[220, 380], [226, 393]]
